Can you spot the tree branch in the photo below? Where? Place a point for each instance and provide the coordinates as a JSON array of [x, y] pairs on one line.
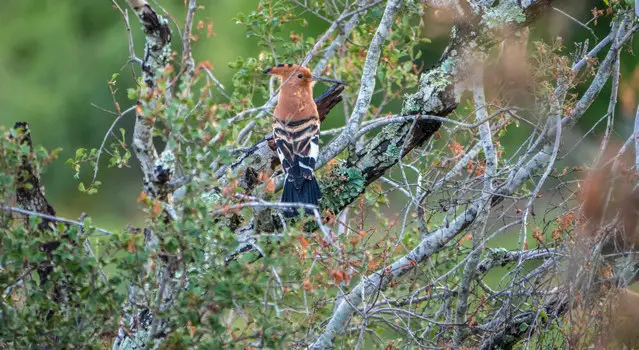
[[156, 170], [468, 275], [367, 84], [437, 96]]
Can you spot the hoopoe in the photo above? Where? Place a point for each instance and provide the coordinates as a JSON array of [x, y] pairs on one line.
[[296, 131]]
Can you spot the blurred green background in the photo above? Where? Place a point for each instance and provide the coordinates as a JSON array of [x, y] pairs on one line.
[[55, 60], [57, 55]]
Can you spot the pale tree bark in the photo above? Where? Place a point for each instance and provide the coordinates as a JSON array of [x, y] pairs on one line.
[[139, 328], [527, 303], [479, 26]]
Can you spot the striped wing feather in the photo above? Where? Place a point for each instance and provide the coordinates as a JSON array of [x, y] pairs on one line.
[[297, 144]]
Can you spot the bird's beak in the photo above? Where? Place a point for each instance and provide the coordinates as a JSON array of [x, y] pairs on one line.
[[328, 80], [267, 71]]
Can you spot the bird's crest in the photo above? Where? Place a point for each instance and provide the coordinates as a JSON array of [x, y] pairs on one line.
[[294, 71]]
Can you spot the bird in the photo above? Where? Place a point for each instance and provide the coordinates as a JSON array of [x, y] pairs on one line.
[[296, 132]]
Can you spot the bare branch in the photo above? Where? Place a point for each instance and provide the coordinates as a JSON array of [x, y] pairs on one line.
[[106, 136], [636, 137], [468, 274], [53, 218], [156, 171], [187, 55], [367, 84]]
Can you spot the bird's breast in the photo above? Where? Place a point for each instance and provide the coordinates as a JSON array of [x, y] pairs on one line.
[[295, 104]]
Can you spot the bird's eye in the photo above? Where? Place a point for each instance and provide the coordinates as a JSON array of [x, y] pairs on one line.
[[300, 75]]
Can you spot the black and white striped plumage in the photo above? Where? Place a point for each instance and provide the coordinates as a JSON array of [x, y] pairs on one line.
[[297, 144]]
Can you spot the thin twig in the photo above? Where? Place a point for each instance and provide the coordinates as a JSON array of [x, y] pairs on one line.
[[52, 218], [578, 22], [367, 83], [106, 136], [636, 137]]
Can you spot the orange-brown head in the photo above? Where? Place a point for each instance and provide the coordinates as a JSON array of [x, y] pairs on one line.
[[296, 96]]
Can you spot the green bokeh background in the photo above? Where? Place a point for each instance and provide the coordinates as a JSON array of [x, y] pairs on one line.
[[55, 60], [57, 55]]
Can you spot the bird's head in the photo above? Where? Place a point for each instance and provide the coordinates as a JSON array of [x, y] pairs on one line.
[[294, 75]]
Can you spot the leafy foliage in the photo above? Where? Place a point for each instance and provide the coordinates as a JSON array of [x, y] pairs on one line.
[[345, 183], [175, 273]]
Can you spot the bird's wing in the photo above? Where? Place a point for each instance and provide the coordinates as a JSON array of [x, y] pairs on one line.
[[297, 144]]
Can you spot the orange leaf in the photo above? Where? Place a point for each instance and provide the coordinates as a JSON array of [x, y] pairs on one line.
[[205, 64], [330, 164], [191, 329], [338, 277], [538, 235], [329, 217], [456, 148], [307, 285], [200, 25], [131, 246], [228, 190], [157, 208], [372, 265], [303, 242], [141, 197]]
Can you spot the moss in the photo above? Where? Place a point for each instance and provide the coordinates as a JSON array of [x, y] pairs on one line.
[[340, 187], [431, 84], [367, 161], [167, 158], [505, 13], [392, 152], [448, 66], [385, 148], [439, 79], [211, 199], [411, 104], [498, 254]]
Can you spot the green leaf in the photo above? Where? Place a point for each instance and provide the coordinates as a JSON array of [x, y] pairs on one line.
[[543, 315], [132, 93], [79, 153]]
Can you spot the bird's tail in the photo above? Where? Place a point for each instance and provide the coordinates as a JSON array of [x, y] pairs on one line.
[[308, 192]]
